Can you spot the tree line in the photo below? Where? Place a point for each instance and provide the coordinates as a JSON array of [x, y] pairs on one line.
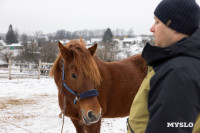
[[38, 47], [13, 36]]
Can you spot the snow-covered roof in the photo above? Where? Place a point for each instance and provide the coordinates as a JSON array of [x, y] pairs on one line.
[[15, 45]]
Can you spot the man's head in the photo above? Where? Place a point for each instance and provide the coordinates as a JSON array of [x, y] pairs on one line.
[[175, 19]]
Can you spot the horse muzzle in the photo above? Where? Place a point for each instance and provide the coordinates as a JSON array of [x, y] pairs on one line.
[[91, 117]]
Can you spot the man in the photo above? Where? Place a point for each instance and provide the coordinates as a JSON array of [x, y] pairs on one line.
[[168, 100]]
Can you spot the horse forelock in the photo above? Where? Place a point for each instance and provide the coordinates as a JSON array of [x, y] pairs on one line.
[[84, 63]]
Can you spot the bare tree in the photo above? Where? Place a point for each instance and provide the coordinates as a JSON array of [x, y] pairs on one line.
[[38, 34], [61, 34], [49, 52], [130, 32], [24, 39], [6, 55], [107, 52]]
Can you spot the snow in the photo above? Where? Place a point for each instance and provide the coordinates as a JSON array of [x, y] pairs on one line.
[[129, 50], [31, 106], [95, 40], [129, 39], [136, 49], [15, 45], [2, 43], [3, 62]]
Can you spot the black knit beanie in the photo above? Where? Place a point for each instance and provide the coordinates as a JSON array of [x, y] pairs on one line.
[[180, 15]]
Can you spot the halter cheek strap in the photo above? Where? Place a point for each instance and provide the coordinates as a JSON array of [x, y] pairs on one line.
[[79, 96]]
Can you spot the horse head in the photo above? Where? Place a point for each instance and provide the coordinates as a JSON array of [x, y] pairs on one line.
[[81, 75]]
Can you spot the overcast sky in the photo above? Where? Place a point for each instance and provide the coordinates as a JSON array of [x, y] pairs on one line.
[[51, 15]]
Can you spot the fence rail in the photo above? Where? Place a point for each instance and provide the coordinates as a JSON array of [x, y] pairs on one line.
[[18, 70]]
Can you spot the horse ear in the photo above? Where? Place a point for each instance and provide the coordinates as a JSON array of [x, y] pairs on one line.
[[65, 52], [93, 49]]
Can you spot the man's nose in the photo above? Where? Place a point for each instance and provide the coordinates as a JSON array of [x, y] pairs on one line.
[[152, 29]]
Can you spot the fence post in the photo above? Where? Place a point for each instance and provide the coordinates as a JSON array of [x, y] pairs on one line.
[[39, 67], [9, 74]]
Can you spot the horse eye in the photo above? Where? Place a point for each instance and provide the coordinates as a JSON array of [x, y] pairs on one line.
[[73, 75]]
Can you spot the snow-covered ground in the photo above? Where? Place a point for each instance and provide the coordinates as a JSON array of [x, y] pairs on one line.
[[31, 106]]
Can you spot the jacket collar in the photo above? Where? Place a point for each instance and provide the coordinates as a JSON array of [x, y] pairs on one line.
[[187, 46]]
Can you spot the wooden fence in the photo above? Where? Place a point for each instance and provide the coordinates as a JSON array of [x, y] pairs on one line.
[[25, 70]]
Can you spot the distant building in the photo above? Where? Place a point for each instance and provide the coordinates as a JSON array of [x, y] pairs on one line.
[[15, 48]]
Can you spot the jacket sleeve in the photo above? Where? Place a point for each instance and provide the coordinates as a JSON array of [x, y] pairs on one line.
[[173, 101]]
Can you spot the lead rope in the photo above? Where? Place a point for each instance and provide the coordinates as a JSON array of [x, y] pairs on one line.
[[62, 114]]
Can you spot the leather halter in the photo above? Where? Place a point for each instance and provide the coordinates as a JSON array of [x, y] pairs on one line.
[[79, 96]]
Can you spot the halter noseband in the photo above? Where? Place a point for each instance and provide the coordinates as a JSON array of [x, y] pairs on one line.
[[79, 96]]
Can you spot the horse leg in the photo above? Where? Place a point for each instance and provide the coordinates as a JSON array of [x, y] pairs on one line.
[[79, 127], [94, 128]]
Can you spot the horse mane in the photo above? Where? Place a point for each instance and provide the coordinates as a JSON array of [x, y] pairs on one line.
[[84, 62]]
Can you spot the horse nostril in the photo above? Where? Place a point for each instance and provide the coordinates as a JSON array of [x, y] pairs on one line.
[[91, 116]]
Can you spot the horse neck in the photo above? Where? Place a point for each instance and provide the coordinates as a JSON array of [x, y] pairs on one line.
[[101, 65], [137, 60]]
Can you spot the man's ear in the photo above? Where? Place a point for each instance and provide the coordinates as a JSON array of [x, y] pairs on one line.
[[65, 52], [93, 49]]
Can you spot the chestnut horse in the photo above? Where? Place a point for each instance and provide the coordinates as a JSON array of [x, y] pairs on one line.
[[112, 85]]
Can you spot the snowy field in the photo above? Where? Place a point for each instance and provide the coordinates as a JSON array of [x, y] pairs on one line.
[[31, 106]]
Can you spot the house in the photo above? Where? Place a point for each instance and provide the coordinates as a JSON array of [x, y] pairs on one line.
[[15, 48]]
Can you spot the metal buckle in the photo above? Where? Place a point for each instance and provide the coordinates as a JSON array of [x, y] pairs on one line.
[[62, 82], [76, 98]]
